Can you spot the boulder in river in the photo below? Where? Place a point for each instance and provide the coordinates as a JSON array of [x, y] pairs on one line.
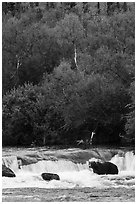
[[50, 176], [7, 172]]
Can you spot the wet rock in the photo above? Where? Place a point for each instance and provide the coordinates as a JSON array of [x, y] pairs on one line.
[[7, 172], [50, 176], [103, 168], [10, 162], [19, 164], [33, 158]]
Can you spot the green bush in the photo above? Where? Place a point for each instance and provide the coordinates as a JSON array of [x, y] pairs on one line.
[[130, 124], [30, 115], [25, 120], [66, 106], [19, 110]]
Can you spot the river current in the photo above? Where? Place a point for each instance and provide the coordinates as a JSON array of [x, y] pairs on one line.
[[72, 167]]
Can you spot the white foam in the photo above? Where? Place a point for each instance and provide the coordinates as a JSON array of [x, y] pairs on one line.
[[125, 163], [11, 162], [83, 178], [53, 167], [73, 175]]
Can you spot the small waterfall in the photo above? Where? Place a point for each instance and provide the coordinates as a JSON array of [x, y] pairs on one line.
[[125, 162], [11, 162], [72, 174], [54, 167]]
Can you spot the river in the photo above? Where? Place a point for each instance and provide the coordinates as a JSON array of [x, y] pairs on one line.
[[75, 176]]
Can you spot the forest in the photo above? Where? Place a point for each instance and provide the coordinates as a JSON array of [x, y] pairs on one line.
[[68, 69]]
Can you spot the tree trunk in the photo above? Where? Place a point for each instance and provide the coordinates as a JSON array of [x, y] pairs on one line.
[[75, 56], [98, 8], [44, 140], [124, 6], [110, 8]]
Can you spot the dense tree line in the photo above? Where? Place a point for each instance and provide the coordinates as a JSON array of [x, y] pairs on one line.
[[68, 70]]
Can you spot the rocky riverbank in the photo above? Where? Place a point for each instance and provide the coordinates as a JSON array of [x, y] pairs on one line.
[[33, 155]]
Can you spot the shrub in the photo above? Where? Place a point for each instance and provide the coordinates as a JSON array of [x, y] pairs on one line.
[[63, 107], [19, 111]]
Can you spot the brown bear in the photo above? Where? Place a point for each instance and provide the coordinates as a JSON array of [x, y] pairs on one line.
[[103, 168]]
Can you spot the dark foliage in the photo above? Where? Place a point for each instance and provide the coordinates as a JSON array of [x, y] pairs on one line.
[[68, 70]]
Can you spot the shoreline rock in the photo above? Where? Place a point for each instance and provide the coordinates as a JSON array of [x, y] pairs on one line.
[[50, 176], [7, 172]]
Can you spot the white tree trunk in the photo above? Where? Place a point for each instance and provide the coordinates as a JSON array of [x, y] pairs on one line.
[[75, 56]]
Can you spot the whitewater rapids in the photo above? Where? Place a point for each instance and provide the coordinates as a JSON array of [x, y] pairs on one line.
[[71, 174]]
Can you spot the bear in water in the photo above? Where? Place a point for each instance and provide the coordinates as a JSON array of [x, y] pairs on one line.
[[103, 168]]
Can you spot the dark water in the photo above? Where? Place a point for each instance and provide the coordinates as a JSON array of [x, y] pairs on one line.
[[67, 195]]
